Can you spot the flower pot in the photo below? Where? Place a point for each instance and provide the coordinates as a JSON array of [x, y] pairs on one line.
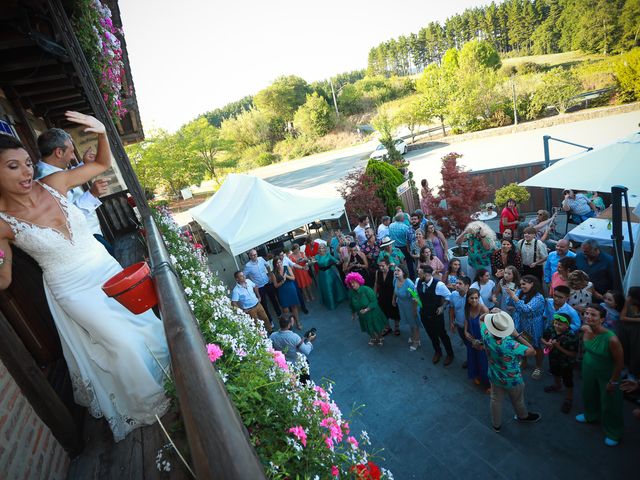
[[133, 288]]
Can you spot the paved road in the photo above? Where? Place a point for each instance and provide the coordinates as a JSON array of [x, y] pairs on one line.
[[324, 172]]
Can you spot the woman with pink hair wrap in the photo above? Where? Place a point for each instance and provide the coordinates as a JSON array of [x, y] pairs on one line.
[[364, 303]]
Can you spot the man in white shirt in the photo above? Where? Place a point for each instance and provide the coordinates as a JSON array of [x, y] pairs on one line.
[[433, 294], [56, 153], [245, 296], [533, 253], [257, 270], [363, 224], [383, 228]]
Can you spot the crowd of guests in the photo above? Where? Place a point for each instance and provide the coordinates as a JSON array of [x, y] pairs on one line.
[[558, 304]]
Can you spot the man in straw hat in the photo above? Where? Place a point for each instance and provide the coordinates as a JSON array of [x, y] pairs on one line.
[[505, 347]]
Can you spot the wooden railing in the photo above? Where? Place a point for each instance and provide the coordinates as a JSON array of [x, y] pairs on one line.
[[218, 442]]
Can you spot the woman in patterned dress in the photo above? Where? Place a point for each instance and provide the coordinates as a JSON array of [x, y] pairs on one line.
[[529, 304]]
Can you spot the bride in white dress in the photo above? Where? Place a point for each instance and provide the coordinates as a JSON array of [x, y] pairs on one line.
[[113, 356]]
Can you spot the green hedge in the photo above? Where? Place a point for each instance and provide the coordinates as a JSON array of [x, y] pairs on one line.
[[388, 178]]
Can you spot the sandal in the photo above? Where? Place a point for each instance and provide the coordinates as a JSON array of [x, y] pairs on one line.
[[372, 342], [386, 331], [537, 374], [396, 332]]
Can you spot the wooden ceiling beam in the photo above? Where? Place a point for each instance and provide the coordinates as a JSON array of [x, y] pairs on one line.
[[46, 87], [34, 75], [27, 62], [60, 107], [55, 96]]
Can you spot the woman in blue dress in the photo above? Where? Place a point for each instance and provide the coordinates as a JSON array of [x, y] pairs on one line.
[[528, 316], [285, 283], [406, 303], [477, 364]]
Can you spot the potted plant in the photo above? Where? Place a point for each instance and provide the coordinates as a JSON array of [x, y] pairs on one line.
[[513, 190]]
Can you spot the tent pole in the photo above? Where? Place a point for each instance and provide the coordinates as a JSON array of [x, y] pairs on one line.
[[347, 217], [235, 260]]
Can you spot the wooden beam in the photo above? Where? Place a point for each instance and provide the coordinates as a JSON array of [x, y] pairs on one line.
[[30, 141], [55, 107], [46, 87], [55, 96], [36, 389], [34, 75], [26, 58]]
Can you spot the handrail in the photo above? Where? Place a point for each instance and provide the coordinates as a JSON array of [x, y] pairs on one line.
[[218, 441]]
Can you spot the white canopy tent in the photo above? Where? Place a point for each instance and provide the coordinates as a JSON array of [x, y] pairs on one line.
[[596, 170], [599, 170], [248, 211]]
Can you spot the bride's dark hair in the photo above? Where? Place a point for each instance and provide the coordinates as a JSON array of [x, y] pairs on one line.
[[7, 142]]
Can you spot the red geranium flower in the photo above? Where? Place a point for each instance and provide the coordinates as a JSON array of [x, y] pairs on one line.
[[370, 471]]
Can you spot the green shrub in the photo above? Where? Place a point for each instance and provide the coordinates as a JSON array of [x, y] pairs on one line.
[[388, 178], [265, 159], [296, 147], [529, 67], [627, 70], [508, 70], [513, 190]]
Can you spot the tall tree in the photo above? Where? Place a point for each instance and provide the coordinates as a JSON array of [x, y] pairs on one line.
[[204, 143], [435, 88], [630, 24], [283, 97]]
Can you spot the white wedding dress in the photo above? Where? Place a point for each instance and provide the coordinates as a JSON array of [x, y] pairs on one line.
[[113, 355]]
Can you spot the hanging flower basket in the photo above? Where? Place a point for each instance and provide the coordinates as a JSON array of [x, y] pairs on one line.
[[98, 38]]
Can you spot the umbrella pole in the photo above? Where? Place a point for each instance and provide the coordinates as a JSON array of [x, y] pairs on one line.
[[347, 217], [547, 161]]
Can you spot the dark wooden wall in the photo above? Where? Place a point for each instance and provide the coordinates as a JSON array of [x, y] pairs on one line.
[[499, 177]]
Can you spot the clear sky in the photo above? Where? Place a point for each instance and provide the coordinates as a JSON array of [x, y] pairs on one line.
[[191, 56]]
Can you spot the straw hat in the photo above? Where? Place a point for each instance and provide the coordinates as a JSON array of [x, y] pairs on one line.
[[499, 324], [386, 241]]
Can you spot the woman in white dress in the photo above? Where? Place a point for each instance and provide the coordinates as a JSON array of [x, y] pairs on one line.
[[114, 357]]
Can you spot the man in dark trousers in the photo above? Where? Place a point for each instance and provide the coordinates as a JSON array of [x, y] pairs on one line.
[[433, 294]]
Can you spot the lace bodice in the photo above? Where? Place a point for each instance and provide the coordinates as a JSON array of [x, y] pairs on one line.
[[50, 247]]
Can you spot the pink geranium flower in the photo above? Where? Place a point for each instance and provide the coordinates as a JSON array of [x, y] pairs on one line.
[[324, 406], [300, 434], [280, 360], [334, 471], [353, 442], [214, 352]]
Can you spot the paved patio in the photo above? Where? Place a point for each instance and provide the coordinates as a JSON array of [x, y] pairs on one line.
[[432, 422]]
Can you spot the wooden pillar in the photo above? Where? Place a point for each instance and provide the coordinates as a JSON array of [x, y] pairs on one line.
[[28, 136]]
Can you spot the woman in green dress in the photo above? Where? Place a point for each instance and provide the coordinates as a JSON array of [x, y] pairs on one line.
[[601, 367], [332, 292], [364, 303]]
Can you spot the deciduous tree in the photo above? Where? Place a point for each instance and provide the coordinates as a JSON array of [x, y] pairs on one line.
[[458, 197], [315, 118]]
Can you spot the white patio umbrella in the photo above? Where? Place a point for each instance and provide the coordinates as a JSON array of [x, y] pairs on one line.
[[596, 170]]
